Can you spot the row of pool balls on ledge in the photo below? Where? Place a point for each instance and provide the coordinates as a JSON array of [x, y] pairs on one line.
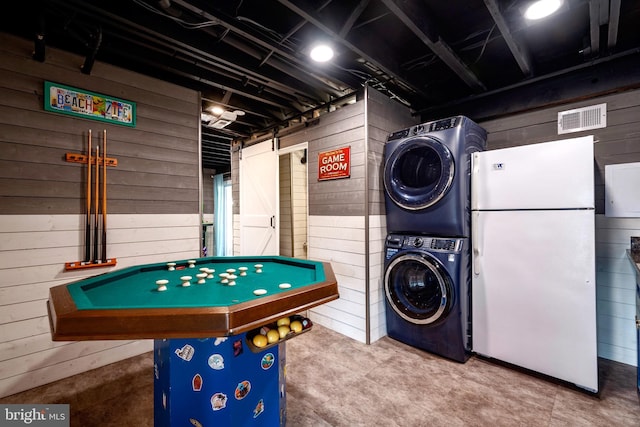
[[282, 329]]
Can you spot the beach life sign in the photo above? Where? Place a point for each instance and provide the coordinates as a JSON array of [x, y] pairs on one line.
[[88, 105]]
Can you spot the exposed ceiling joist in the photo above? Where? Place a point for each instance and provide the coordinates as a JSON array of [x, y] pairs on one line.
[[614, 22], [407, 13], [388, 67], [434, 57], [519, 52]]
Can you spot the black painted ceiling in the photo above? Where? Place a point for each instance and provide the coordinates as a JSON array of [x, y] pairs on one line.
[[252, 55]]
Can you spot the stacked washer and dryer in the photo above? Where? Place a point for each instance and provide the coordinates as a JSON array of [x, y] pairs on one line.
[[427, 268]]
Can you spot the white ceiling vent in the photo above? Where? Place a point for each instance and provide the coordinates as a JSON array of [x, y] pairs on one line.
[[585, 118], [223, 120]]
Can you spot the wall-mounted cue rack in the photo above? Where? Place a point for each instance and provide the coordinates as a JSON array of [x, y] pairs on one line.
[[96, 207]]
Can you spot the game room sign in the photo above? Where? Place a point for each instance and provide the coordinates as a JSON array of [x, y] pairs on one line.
[[88, 105], [334, 164]]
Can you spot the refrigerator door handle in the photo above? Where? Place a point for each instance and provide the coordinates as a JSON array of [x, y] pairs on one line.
[[475, 242], [475, 166]]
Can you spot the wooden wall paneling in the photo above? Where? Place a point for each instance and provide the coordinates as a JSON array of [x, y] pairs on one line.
[[129, 242], [167, 126], [207, 192], [24, 328], [384, 116], [29, 362], [61, 66], [345, 198], [235, 177], [377, 235], [285, 214], [21, 311], [207, 209], [87, 360], [327, 125], [340, 196], [340, 240], [299, 202], [154, 208], [29, 345]]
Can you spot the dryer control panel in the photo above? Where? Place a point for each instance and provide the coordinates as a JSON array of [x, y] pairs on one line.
[[427, 127], [444, 124], [420, 129]]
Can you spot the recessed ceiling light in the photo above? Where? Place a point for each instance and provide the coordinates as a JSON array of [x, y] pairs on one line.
[[542, 8], [321, 53], [217, 110]]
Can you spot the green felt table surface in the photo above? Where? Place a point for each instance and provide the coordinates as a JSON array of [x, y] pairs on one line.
[[135, 287], [126, 303]]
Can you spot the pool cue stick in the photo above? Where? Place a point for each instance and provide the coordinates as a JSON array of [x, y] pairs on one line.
[[87, 234], [104, 196], [96, 256]]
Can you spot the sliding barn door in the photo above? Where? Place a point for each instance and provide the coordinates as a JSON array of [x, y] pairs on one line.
[[259, 199]]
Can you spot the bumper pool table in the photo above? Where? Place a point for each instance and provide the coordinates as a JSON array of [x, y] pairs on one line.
[[207, 370]]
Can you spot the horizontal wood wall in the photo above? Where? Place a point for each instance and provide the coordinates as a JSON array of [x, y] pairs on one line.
[[340, 240], [346, 216], [384, 116], [293, 204], [153, 200], [336, 216], [341, 128], [207, 210], [616, 289], [157, 168], [618, 142], [299, 196], [285, 220], [377, 316]]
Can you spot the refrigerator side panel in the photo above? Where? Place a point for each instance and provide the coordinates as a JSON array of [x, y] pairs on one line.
[[533, 292], [549, 175]]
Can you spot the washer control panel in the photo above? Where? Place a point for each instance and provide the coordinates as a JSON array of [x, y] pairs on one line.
[[448, 245], [396, 242]]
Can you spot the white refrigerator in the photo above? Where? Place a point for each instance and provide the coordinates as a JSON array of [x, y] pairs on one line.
[[533, 270]]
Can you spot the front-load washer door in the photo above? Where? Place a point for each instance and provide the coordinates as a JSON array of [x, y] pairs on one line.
[[418, 288], [418, 173]]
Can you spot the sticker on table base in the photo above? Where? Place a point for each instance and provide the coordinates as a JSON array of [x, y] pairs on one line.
[[218, 401], [185, 353], [242, 390], [195, 423], [259, 408], [267, 361], [249, 385], [216, 361], [196, 382]]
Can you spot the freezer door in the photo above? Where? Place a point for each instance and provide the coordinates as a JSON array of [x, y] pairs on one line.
[[533, 292], [549, 175]]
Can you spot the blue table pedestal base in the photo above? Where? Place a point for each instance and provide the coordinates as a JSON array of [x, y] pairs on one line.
[[218, 382]]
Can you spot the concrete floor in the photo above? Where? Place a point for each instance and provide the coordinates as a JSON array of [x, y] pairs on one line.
[[333, 380]]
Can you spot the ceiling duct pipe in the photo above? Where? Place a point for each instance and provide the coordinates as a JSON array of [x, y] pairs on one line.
[[93, 51], [39, 40]]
